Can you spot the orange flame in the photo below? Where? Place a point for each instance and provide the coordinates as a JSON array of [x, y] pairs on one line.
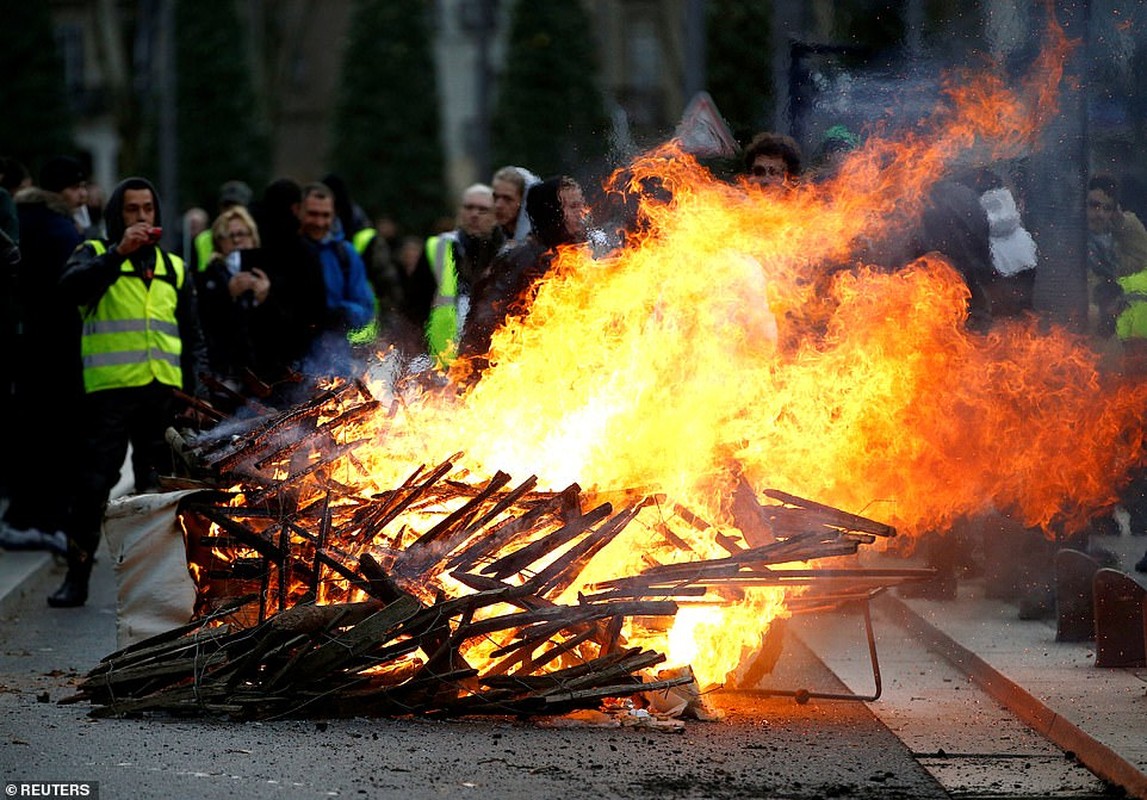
[[741, 336], [659, 367]]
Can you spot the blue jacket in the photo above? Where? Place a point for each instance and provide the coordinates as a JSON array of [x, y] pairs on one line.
[[349, 296]]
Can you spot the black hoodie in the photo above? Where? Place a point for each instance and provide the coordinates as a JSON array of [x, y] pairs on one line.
[[88, 275], [508, 287], [113, 211]]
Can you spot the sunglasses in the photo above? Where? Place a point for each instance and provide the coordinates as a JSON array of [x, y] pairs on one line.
[[767, 172]]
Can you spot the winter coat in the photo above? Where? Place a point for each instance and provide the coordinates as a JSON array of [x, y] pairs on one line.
[[349, 298], [48, 350]]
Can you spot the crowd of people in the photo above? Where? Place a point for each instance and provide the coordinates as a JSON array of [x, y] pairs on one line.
[[107, 331], [108, 334]]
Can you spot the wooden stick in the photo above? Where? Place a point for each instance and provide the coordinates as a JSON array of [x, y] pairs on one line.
[[515, 562]]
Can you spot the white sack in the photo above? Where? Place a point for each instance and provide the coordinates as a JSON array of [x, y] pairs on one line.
[[156, 592]]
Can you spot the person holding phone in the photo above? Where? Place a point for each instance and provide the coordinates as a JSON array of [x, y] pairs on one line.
[[140, 342], [233, 290]]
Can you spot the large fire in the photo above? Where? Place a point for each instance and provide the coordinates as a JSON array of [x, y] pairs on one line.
[[742, 338]]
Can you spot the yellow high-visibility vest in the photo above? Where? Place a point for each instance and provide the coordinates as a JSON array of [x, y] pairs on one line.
[[442, 324], [204, 244], [131, 335], [1132, 322], [363, 238]]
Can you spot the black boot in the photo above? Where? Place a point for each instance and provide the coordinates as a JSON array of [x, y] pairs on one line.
[[73, 592]]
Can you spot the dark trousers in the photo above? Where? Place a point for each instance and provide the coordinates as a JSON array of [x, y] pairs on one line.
[[44, 439], [113, 418]]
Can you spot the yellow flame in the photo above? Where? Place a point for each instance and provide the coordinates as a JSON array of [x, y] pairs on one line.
[[752, 335]]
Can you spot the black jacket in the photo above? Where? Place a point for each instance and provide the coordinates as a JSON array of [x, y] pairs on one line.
[[88, 275], [47, 349]]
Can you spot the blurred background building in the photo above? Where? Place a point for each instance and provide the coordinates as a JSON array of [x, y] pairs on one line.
[[799, 66]]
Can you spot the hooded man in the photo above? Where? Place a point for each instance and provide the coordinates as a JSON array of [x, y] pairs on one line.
[[557, 212], [510, 185], [140, 342]]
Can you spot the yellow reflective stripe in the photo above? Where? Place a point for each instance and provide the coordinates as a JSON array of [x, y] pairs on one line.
[[121, 357], [441, 255], [131, 336], [95, 327], [448, 275]]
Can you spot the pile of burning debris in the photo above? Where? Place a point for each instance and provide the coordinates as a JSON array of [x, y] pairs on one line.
[[443, 595]]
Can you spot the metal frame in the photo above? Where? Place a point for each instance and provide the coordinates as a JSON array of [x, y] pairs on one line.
[[802, 695]]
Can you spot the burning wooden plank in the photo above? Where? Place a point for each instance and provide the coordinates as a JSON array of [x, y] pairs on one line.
[[376, 602]]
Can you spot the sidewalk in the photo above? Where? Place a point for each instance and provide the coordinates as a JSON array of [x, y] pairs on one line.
[[18, 573], [1098, 714], [19, 569]]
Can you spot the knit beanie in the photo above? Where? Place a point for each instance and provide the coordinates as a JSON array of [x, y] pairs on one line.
[[61, 172]]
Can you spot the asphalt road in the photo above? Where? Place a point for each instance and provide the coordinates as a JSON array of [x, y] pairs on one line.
[[763, 747]]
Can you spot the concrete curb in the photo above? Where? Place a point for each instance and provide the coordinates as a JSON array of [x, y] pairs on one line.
[[20, 574], [1093, 754]]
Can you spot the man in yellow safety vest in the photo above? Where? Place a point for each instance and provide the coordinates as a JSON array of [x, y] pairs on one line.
[[140, 342], [457, 260]]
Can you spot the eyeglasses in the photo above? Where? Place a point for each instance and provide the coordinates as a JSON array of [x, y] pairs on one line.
[[235, 236], [478, 208]]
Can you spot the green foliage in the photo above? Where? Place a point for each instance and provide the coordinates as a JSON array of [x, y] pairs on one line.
[[739, 69], [387, 142], [550, 114], [35, 123], [221, 134]]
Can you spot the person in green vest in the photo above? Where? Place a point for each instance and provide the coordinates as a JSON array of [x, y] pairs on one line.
[[140, 343], [457, 259], [1131, 328]]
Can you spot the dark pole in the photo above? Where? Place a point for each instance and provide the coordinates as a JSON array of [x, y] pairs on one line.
[[1058, 180], [695, 51], [483, 28], [787, 25], [168, 178]]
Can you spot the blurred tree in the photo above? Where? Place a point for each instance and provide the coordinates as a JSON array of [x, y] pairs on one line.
[[550, 113], [222, 135], [739, 65], [387, 140], [36, 123]]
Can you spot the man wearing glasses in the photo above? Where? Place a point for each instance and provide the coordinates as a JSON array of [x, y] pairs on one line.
[[457, 259]]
